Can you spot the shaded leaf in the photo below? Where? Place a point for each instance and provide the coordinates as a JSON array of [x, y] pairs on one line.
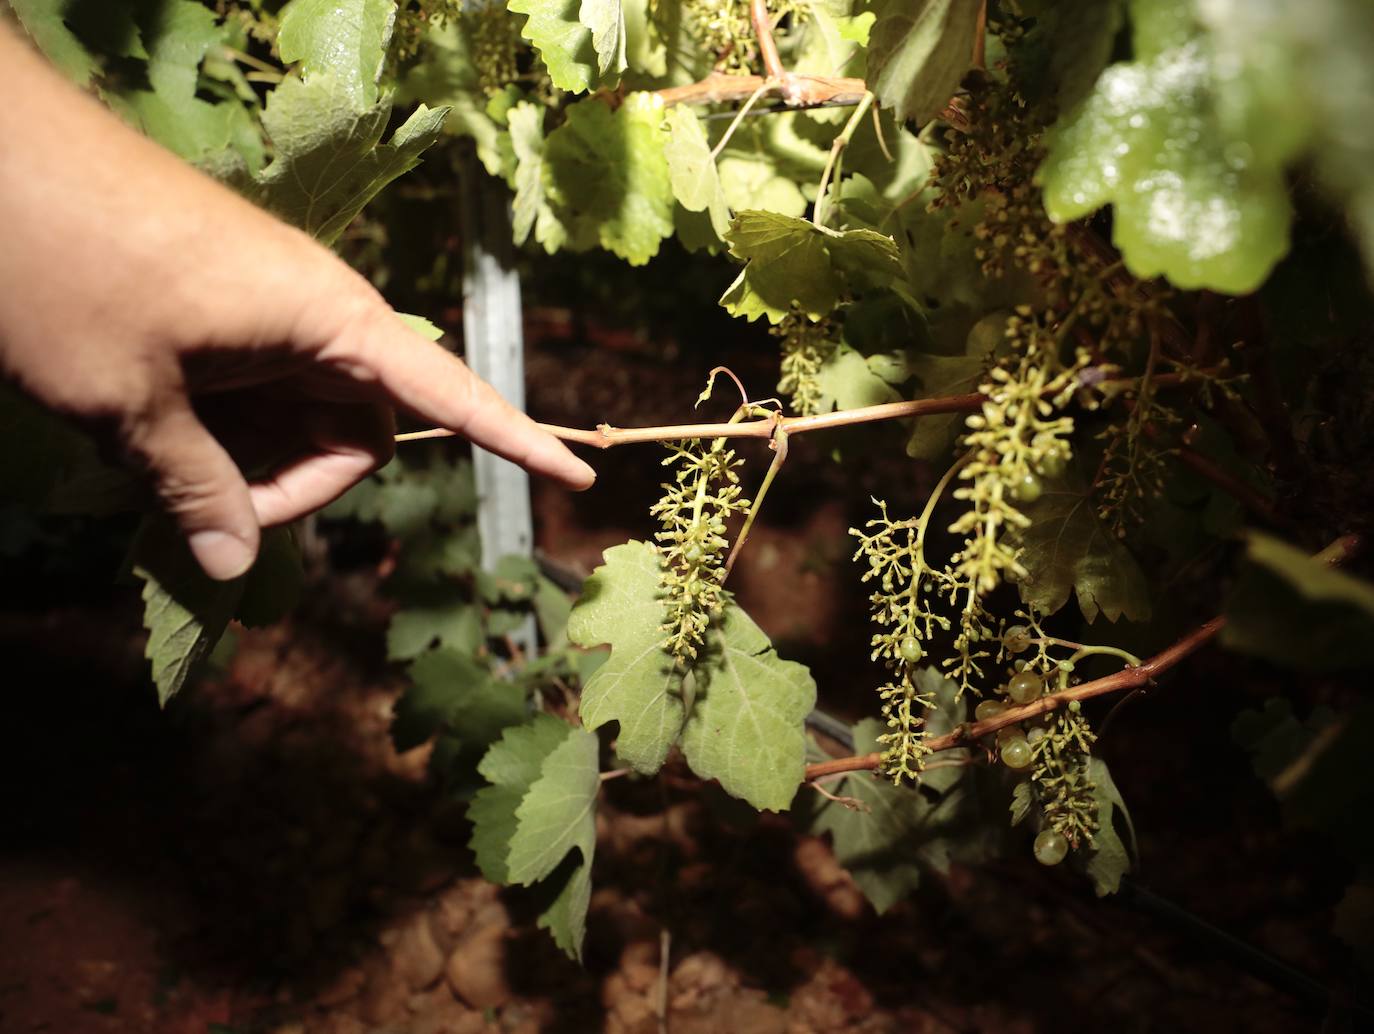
[[452, 692], [918, 51], [1108, 860], [1294, 610], [692, 170], [1068, 549]]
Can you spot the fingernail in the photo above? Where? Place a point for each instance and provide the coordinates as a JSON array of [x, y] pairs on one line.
[[586, 476], [223, 556]]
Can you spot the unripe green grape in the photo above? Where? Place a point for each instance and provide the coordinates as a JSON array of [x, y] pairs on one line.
[[875, 562], [692, 554], [1036, 735], [1052, 464], [910, 650], [1027, 488], [1051, 847], [1008, 733], [988, 709], [1025, 686], [1017, 753], [1017, 639]]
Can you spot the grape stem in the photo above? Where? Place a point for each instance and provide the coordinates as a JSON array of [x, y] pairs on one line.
[[1338, 552], [834, 162], [605, 436]]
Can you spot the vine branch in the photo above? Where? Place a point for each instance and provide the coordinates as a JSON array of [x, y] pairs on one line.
[[1128, 678]]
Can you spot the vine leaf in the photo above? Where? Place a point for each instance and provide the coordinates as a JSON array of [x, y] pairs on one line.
[[184, 610], [606, 21], [1068, 549], [943, 375], [692, 170], [918, 50], [44, 21], [346, 39], [555, 29], [1109, 860], [454, 693], [1209, 213], [330, 161], [444, 615], [848, 380], [540, 806], [1293, 610], [792, 263], [639, 685], [609, 178], [746, 726], [904, 828], [531, 210]]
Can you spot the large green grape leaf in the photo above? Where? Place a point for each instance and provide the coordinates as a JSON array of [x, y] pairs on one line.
[[1294, 610], [175, 35], [746, 726], [606, 20], [556, 30], [1068, 549], [446, 617], [792, 263], [748, 705], [1171, 140], [1071, 42], [752, 180], [452, 692], [609, 178], [541, 806], [692, 169], [330, 160], [347, 39], [918, 50], [1303, 70], [44, 21], [639, 686]]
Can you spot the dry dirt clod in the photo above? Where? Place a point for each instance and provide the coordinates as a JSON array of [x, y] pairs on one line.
[[416, 956], [476, 970]]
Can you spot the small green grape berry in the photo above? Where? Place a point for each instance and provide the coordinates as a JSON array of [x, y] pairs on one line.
[[1025, 686], [692, 554], [1017, 639], [1036, 735], [1017, 753], [1027, 489], [1052, 464], [1051, 847], [910, 650], [1008, 733], [875, 562], [988, 709]]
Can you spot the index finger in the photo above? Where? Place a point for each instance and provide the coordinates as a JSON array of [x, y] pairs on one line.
[[424, 377]]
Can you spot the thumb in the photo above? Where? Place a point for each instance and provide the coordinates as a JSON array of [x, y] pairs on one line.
[[202, 489]]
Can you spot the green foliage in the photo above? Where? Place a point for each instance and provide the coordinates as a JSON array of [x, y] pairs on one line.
[[791, 263], [608, 178], [342, 39], [567, 45], [743, 725], [1066, 549], [1213, 212], [692, 170], [186, 612], [918, 50], [1108, 860], [1294, 610], [540, 806]]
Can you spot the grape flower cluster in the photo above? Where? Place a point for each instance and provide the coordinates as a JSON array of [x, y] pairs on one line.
[[806, 346], [693, 510]]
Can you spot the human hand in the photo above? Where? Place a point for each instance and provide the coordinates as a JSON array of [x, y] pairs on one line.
[[205, 337]]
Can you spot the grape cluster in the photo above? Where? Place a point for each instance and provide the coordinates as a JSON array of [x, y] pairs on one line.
[[805, 348], [723, 28], [1064, 788], [693, 511], [495, 44], [414, 17], [900, 604]]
